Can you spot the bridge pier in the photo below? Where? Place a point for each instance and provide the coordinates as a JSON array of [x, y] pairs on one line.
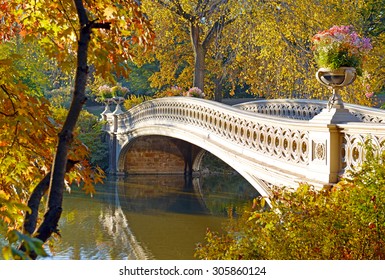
[[113, 124]]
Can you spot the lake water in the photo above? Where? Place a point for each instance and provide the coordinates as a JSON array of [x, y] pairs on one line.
[[146, 217]]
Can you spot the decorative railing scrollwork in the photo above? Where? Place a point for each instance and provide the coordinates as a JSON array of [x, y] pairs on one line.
[[287, 142], [352, 152], [303, 109]]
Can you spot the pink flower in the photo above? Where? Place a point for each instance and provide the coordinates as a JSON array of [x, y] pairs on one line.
[[369, 94], [195, 92], [340, 46]]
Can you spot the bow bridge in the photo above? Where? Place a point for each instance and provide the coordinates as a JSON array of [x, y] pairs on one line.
[[268, 142]]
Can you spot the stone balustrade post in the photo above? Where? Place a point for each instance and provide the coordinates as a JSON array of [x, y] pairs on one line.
[[325, 138], [324, 154], [115, 145]]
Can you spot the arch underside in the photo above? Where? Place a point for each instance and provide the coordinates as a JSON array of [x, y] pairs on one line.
[[259, 175], [154, 154]]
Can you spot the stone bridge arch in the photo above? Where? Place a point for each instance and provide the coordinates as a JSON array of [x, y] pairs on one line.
[[157, 154], [188, 154]]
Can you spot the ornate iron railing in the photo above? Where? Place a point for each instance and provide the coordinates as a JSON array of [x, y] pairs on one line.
[[304, 109]]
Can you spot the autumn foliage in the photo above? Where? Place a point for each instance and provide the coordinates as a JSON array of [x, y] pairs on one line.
[[259, 47], [40, 155]]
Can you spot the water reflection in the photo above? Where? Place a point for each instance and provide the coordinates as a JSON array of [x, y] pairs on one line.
[[115, 223], [146, 217]]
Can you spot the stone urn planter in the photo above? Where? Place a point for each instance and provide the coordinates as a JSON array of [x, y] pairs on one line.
[[107, 102], [118, 101], [336, 79]]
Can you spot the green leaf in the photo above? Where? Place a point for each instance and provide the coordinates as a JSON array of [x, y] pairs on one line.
[[13, 236], [7, 253]]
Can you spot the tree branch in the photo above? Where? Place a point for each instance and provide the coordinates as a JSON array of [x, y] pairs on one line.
[[213, 8], [101, 25], [176, 8], [3, 87], [82, 13], [215, 29]]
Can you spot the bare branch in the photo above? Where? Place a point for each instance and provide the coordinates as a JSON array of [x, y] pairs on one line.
[[100, 25], [215, 29], [176, 8], [3, 87], [213, 8]]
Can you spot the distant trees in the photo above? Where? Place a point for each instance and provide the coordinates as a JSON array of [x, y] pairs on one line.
[[189, 35], [262, 47]]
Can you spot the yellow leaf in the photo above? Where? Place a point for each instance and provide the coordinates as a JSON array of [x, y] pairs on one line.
[[109, 12]]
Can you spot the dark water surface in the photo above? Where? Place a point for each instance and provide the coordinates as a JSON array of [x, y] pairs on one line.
[[146, 217]]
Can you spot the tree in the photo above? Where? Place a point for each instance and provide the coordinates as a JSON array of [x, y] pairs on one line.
[[185, 49], [64, 30], [28, 137], [265, 46]]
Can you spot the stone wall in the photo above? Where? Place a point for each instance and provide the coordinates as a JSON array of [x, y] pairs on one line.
[[154, 155]]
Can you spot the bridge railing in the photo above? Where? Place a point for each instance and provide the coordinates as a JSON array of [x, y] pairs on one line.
[[286, 141], [279, 136], [304, 109], [354, 135]]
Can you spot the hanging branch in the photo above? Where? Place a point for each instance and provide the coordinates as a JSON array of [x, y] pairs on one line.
[[34, 200]]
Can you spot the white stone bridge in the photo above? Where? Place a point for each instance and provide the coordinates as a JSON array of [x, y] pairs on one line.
[[268, 142]]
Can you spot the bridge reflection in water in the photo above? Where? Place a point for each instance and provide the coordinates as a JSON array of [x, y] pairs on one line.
[[147, 217]]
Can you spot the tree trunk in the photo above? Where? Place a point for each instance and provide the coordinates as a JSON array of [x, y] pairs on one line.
[[199, 55], [55, 198], [199, 68], [218, 91]]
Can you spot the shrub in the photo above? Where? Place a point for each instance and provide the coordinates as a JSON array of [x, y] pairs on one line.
[[133, 100]]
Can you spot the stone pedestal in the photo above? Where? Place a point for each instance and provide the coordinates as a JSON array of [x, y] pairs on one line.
[[326, 142], [334, 116]]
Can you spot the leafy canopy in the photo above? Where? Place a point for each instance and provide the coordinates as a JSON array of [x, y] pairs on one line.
[[267, 47]]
